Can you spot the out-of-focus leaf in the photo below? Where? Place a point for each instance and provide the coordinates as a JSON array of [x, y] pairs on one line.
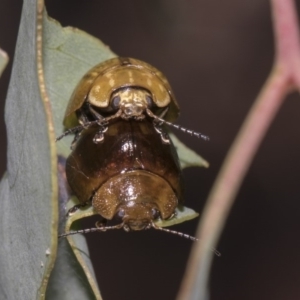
[[188, 157], [3, 61], [181, 215], [28, 220]]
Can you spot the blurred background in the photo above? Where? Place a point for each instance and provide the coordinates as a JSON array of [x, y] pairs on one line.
[[216, 54]]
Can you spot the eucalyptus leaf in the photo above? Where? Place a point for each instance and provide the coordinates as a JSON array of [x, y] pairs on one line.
[[187, 157], [3, 61], [29, 189], [72, 277], [182, 214]]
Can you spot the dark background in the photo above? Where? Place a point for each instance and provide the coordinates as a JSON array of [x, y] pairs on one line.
[[216, 55]]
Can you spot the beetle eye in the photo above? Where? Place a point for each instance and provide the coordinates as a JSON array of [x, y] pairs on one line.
[[120, 214], [115, 102], [155, 213], [149, 101]]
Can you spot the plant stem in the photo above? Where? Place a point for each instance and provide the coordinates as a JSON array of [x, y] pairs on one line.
[[284, 77]]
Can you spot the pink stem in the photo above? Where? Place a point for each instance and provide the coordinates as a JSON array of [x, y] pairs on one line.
[[285, 74]]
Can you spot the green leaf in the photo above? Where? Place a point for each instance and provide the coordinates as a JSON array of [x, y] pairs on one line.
[[182, 214], [3, 61], [72, 276], [188, 157], [28, 191]]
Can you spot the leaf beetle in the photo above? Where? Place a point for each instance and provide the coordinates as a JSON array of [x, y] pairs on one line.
[[134, 175], [120, 83], [124, 88]]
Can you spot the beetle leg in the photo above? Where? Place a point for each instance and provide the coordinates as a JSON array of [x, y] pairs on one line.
[[82, 117], [157, 125], [73, 209], [101, 223], [85, 113], [172, 216], [163, 113], [99, 136], [95, 114], [157, 119], [76, 137], [164, 137], [103, 124], [106, 120]]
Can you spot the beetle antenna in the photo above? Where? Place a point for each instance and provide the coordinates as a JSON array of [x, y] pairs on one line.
[[69, 131], [79, 128], [184, 235], [188, 131], [86, 125], [88, 230]]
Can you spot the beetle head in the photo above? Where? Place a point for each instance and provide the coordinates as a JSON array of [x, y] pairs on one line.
[[132, 101], [137, 198], [137, 216]]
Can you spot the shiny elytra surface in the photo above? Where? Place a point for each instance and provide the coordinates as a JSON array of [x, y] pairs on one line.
[[128, 146]]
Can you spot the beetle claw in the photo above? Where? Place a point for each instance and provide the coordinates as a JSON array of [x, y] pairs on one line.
[[99, 136], [164, 137], [73, 209], [76, 137]]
